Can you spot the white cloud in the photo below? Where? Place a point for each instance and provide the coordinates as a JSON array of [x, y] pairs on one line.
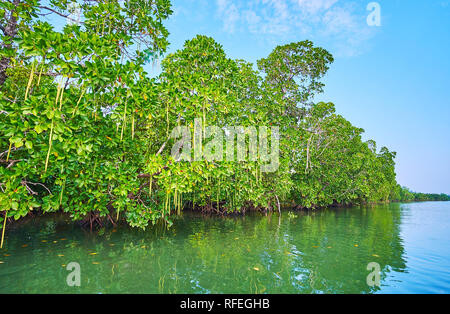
[[350, 32], [339, 23], [229, 13], [253, 21], [315, 6]]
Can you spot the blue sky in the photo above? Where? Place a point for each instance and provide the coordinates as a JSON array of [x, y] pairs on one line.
[[393, 80]]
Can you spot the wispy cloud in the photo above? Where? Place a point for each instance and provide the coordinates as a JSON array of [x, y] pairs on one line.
[[315, 6], [340, 23], [229, 13]]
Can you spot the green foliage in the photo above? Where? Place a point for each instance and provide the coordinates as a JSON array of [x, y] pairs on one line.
[[403, 194], [73, 107], [85, 131], [293, 72]]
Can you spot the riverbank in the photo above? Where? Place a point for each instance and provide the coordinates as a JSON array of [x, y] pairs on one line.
[[108, 221]]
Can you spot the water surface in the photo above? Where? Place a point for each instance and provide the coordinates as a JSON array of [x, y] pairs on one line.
[[317, 252]]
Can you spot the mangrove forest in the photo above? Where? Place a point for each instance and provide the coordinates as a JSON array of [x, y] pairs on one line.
[[86, 131]]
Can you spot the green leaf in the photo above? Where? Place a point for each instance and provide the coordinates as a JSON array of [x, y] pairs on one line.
[[29, 144], [14, 205], [38, 128]]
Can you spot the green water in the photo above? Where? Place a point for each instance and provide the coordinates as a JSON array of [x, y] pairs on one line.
[[323, 252]]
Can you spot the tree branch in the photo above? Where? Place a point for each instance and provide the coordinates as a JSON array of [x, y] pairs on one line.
[[59, 13]]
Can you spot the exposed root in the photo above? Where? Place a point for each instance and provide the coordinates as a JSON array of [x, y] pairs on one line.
[[93, 220]]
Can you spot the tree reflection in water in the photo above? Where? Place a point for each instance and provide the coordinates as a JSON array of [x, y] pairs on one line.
[[325, 251]]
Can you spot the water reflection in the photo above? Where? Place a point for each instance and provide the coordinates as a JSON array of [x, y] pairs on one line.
[[320, 252]]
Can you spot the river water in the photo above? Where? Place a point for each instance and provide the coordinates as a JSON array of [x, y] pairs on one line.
[[326, 251]]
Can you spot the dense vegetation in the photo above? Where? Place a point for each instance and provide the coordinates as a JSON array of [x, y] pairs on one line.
[[403, 194], [86, 131]]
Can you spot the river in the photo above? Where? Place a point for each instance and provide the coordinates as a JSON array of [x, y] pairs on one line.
[[325, 251]]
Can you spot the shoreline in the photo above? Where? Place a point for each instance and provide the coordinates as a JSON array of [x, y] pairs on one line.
[[64, 217]]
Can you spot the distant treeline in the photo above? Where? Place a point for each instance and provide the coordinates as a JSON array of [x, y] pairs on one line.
[[403, 194]]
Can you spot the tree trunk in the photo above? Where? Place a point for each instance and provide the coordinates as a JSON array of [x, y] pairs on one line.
[[9, 30]]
